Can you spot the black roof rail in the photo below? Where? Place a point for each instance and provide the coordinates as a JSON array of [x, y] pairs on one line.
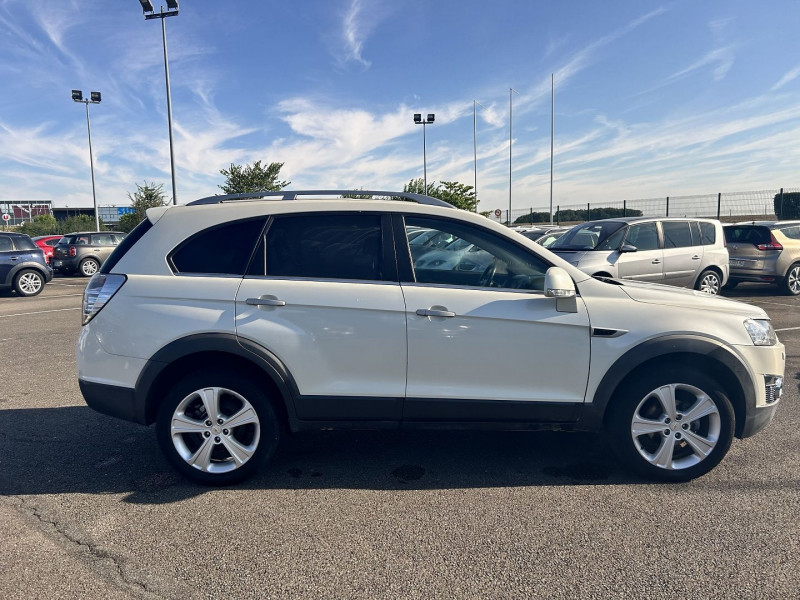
[[293, 194]]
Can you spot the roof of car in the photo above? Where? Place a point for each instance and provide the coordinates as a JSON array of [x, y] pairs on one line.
[[636, 219], [770, 224], [91, 232]]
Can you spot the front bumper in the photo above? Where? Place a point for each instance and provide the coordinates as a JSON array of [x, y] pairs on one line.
[[767, 364]]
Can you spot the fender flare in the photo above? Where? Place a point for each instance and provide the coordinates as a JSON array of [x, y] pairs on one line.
[[678, 345], [145, 401]]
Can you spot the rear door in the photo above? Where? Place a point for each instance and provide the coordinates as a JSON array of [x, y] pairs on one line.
[[681, 258], [322, 295]]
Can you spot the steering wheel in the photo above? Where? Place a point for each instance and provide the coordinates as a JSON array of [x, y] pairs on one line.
[[487, 279]]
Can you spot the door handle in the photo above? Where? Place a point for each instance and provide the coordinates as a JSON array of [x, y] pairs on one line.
[[265, 301], [657, 261], [14, 257], [695, 257], [434, 312]]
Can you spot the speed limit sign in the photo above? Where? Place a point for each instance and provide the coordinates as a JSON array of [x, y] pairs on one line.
[[497, 213], [6, 217]]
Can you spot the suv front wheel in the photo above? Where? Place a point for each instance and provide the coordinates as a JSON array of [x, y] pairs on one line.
[[671, 426], [217, 427]]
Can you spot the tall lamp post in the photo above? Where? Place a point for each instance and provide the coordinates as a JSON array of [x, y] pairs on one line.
[[428, 120], [511, 92], [94, 98], [150, 13], [475, 104]]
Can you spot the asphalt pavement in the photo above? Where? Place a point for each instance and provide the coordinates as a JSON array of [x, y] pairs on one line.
[[89, 508]]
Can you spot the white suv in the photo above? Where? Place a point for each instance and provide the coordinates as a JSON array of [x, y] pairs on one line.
[[235, 319]]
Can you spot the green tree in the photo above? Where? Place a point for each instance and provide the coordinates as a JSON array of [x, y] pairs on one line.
[[252, 178], [459, 195], [417, 186], [78, 223], [148, 195], [41, 225], [787, 205]]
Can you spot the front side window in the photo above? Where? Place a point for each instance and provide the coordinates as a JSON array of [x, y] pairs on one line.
[[471, 256], [222, 250], [330, 246], [676, 234], [644, 236]]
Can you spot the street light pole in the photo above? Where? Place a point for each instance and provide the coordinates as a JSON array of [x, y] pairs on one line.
[[428, 120], [511, 91], [475, 103], [95, 98], [552, 134], [149, 13]]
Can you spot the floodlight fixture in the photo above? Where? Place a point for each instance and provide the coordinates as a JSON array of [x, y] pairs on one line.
[[147, 6], [95, 97], [172, 4], [417, 117], [77, 95], [431, 117]]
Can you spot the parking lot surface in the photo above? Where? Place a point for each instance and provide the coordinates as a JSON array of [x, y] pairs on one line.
[[90, 509]]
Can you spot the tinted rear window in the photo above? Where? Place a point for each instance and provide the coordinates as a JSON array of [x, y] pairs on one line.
[[223, 250], [676, 234], [747, 234], [709, 233]]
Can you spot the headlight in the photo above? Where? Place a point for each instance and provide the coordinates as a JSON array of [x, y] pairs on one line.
[[761, 332]]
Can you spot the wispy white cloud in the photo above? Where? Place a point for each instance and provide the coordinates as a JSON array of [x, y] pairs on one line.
[[787, 78], [356, 26]]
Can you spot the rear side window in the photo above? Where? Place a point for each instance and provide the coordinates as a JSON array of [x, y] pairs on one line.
[[676, 234], [103, 239], [221, 250], [708, 233], [792, 232], [643, 235], [747, 234], [23, 243], [322, 247]]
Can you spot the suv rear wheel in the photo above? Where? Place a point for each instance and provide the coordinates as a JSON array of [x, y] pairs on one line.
[[29, 283], [217, 427], [709, 282], [791, 283], [671, 426]]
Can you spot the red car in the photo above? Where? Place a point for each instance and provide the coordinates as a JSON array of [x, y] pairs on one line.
[[46, 243]]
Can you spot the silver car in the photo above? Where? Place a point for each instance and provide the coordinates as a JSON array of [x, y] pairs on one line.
[[674, 251]]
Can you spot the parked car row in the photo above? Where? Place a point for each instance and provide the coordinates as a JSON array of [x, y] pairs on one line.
[[27, 264]]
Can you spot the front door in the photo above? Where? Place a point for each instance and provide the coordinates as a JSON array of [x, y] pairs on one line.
[[484, 343], [646, 263]]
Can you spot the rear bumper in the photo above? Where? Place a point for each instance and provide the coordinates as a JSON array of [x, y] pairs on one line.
[[115, 401]]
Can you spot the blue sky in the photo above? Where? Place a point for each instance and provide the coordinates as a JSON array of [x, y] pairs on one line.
[[651, 99]]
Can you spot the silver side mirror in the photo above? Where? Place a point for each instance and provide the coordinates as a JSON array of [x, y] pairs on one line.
[[559, 285]]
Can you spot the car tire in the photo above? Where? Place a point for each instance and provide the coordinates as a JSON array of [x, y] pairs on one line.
[[217, 427], [709, 282], [791, 282], [674, 425], [88, 267], [29, 282]]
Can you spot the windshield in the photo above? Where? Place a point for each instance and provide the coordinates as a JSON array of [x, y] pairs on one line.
[[589, 236]]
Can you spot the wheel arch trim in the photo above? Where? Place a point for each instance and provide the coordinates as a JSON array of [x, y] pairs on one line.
[[679, 346], [149, 381]]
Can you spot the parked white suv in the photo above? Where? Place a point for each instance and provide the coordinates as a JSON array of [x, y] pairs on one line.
[[233, 320]]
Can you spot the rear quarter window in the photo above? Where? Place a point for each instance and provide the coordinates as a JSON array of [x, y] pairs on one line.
[[708, 233], [23, 243], [792, 233], [220, 250]]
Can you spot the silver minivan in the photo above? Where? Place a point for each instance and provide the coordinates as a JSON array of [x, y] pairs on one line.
[[675, 251]]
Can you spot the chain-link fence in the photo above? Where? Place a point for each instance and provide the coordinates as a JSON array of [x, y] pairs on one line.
[[726, 206]]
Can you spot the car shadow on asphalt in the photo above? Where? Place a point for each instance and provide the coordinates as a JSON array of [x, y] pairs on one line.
[[76, 450]]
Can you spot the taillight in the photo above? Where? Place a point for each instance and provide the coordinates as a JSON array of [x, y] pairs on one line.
[[98, 292], [773, 244], [72, 251]]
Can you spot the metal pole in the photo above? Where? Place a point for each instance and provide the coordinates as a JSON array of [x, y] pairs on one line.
[[169, 113], [424, 159], [91, 166], [552, 134], [510, 138], [667, 207], [719, 203]]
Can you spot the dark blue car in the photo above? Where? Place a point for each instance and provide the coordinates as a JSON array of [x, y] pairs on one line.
[[22, 265]]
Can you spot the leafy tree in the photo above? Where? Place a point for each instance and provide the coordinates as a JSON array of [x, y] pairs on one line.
[[41, 225], [252, 178], [148, 195], [787, 205], [78, 223], [459, 195]]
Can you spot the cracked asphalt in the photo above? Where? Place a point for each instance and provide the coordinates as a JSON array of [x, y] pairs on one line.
[[90, 509]]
